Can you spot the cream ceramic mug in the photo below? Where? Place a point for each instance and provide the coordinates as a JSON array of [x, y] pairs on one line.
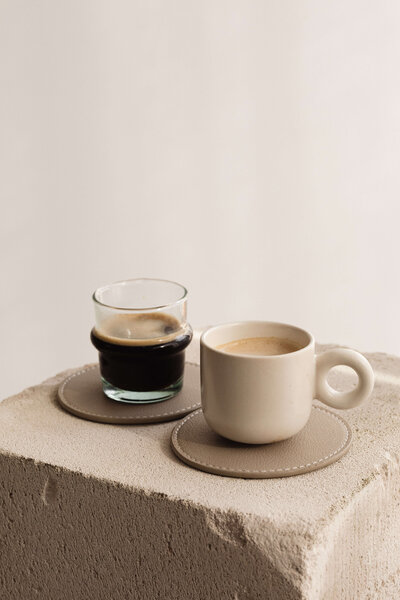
[[262, 399]]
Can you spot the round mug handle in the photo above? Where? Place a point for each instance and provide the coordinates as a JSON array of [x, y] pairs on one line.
[[342, 356]]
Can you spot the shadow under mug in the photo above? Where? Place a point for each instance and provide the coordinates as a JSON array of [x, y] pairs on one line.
[[260, 399]]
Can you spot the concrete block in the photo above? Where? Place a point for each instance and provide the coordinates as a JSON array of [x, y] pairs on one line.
[[107, 511]]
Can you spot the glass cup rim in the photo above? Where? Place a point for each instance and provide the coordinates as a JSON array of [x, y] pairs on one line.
[[146, 308]]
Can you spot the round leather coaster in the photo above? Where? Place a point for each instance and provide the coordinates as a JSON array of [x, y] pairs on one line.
[[82, 395], [324, 439]]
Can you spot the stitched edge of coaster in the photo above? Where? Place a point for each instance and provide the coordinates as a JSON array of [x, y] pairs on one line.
[[280, 470], [152, 416]]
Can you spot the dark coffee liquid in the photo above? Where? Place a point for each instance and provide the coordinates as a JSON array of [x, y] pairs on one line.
[[142, 365]]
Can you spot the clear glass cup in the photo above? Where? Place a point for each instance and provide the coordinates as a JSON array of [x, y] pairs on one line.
[[141, 334]]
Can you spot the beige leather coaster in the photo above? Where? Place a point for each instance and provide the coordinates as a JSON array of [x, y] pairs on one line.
[[324, 439], [82, 395]]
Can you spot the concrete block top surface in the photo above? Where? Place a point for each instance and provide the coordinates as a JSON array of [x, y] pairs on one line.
[[33, 426]]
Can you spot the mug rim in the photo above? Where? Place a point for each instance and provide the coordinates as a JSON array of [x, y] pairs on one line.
[[203, 341]]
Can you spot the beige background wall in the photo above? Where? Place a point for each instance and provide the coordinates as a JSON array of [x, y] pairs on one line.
[[249, 150]]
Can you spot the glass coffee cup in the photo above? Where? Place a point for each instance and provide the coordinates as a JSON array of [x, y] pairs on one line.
[[141, 334]]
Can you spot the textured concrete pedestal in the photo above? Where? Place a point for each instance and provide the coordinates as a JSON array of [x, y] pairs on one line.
[[92, 511]]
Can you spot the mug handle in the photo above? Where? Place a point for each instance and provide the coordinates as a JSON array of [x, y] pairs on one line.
[[342, 356]]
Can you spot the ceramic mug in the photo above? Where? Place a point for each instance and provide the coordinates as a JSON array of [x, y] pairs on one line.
[[262, 399]]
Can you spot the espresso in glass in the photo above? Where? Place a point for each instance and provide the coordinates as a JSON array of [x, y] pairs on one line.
[[141, 350]]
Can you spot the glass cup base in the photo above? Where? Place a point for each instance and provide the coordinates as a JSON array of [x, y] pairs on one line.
[[133, 397]]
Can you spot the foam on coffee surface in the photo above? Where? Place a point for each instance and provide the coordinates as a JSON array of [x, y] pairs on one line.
[[260, 346], [139, 329]]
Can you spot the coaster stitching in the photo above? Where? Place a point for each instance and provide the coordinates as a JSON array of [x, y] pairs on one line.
[[166, 414], [315, 462]]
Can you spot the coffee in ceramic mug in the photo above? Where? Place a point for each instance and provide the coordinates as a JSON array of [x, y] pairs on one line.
[[257, 396], [260, 346]]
